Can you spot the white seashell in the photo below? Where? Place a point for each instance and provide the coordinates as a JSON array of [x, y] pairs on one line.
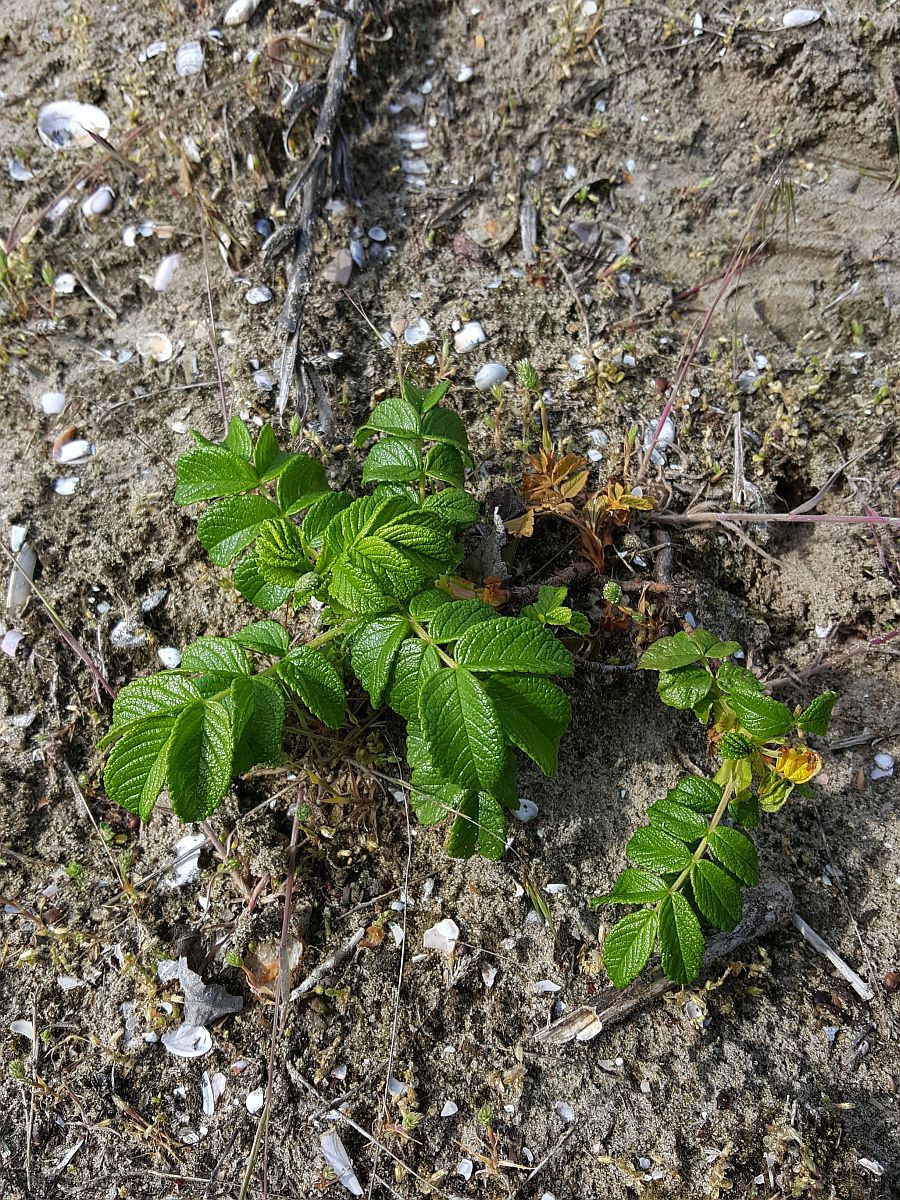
[[255, 1101], [339, 1160], [340, 1072], [884, 761], [65, 123], [698, 24], [189, 59], [188, 1041], [564, 1111], [191, 149], [526, 811], [465, 1167], [68, 983], [52, 403], [470, 336], [546, 986], [123, 639], [490, 375], [443, 936], [99, 201], [240, 12], [464, 74], [258, 295], [65, 284], [155, 346], [78, 450], [416, 332], [872, 1166], [169, 657], [357, 252], [794, 18], [20, 578], [450, 1109], [61, 206], [488, 974], [339, 268], [263, 380], [165, 272], [11, 641], [211, 1089], [129, 235], [17, 535], [377, 234], [18, 172], [556, 889], [24, 1029], [66, 486], [152, 51], [186, 855]]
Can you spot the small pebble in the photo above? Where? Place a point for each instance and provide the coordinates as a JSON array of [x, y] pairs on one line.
[[169, 657], [53, 403], [449, 1109], [258, 295]]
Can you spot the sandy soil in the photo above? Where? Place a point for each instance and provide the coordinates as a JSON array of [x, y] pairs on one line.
[[633, 134]]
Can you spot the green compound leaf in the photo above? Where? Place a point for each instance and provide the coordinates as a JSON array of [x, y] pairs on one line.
[[658, 851], [309, 673], [722, 649], [513, 644], [629, 944], [738, 680], [672, 817], [321, 513], [266, 450], [264, 637], [280, 553], [200, 757], [207, 472], [761, 716], [434, 805], [548, 599], [717, 895], [392, 461], [744, 809], [491, 827], [373, 652], [444, 462], [444, 426], [534, 714], [634, 887], [254, 588], [735, 851], [693, 791], [670, 652], [395, 416], [451, 621], [261, 736], [462, 839], [415, 662], [215, 655], [156, 695], [815, 718], [428, 399], [454, 506], [237, 439], [462, 729], [426, 604], [680, 939], [684, 687], [230, 525], [135, 771], [300, 484]]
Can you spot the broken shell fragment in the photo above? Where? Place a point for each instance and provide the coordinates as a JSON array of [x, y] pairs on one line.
[[165, 272], [189, 59], [52, 403], [99, 201], [416, 332], [795, 18], [188, 1041], [66, 486], [65, 284], [339, 268], [20, 578], [155, 346], [68, 450], [258, 295], [443, 936], [470, 336], [66, 123], [490, 375], [240, 12]]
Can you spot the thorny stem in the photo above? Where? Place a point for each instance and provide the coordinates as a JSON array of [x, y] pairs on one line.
[[727, 793]]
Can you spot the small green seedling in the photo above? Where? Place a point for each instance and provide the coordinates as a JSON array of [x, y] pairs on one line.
[[690, 864]]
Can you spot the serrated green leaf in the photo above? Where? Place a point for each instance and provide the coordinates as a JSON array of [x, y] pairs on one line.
[[392, 460], [462, 839], [580, 624], [321, 513], [373, 650], [444, 462], [681, 822], [629, 944], [634, 887], [735, 851], [548, 598], [215, 655], [462, 729], [230, 525], [668, 653], [425, 604], [444, 426], [491, 827], [534, 714], [254, 588], [722, 649], [451, 621], [734, 679], [761, 716], [513, 644], [816, 716], [156, 695], [280, 553], [435, 805], [266, 450], [300, 484], [454, 506], [658, 851], [308, 672], [264, 637], [744, 809], [200, 757], [416, 661], [717, 895], [681, 939], [396, 416], [684, 687], [207, 472], [237, 439], [693, 791], [261, 736], [135, 771], [435, 395]]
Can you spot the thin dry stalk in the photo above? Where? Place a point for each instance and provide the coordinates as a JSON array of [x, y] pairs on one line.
[[213, 337]]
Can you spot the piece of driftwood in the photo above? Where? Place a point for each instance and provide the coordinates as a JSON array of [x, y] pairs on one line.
[[764, 907]]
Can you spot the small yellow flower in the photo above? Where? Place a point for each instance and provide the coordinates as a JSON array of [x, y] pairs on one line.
[[798, 764]]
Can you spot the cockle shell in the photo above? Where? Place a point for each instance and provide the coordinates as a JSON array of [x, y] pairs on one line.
[[66, 123]]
